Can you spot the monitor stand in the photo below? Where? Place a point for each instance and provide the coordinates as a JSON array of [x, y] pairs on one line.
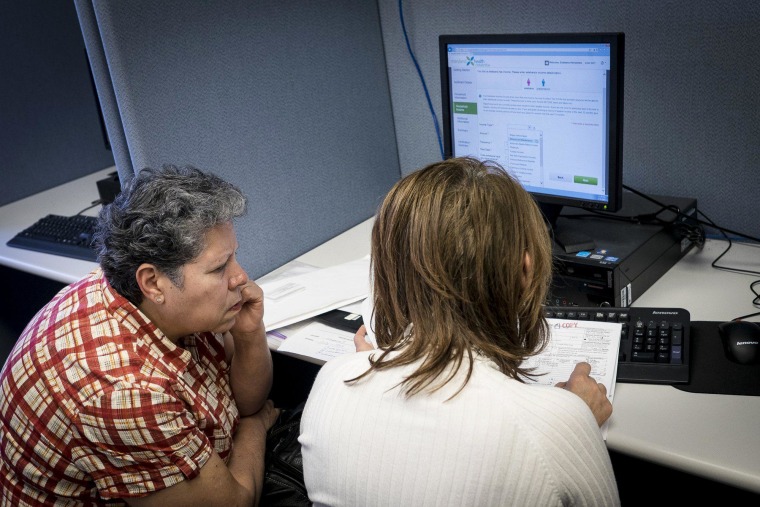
[[570, 241]]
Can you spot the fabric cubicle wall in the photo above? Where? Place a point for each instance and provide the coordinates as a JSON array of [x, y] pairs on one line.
[[288, 100], [50, 132]]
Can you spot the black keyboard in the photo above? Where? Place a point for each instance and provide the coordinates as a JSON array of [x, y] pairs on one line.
[[654, 345], [60, 235]]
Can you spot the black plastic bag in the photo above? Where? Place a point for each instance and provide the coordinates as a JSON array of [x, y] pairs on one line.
[[283, 473]]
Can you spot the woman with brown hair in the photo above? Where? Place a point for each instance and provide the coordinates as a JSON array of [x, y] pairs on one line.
[[439, 414]]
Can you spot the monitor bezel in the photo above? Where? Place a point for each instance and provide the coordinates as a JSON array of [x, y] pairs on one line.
[[616, 41]]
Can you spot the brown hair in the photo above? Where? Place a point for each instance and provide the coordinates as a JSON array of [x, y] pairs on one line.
[[448, 249]]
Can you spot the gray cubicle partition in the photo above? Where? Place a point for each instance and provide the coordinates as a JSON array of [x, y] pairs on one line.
[[50, 132], [288, 100]]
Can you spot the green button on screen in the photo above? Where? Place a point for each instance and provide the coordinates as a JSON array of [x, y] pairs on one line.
[[586, 180], [465, 108]]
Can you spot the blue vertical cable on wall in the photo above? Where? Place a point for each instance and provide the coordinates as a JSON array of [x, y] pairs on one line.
[[422, 79]]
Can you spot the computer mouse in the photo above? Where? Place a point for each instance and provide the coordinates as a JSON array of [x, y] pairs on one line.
[[741, 341], [85, 238]]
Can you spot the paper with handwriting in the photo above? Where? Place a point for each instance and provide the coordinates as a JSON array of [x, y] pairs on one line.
[[573, 341]]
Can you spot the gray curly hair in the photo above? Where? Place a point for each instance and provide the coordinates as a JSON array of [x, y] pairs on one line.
[[160, 218]]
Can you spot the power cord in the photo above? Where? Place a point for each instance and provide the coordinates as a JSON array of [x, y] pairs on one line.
[[710, 223], [755, 302], [692, 230], [706, 222], [94, 203], [688, 230], [422, 79]]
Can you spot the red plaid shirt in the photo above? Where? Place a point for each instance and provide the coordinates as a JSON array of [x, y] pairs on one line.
[[96, 404]]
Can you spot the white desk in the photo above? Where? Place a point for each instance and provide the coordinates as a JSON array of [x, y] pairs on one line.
[[714, 436], [67, 199]]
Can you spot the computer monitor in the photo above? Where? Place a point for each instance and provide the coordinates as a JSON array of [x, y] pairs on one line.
[[546, 107]]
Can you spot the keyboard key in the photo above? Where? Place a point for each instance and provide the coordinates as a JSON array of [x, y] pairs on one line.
[[647, 357]]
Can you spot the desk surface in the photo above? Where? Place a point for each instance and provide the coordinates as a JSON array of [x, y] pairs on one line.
[[714, 436], [67, 199]]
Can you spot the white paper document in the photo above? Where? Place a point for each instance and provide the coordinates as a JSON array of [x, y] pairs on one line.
[[574, 341], [571, 342], [276, 337], [295, 298], [318, 341]]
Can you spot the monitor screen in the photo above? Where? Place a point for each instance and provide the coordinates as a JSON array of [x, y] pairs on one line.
[[547, 107]]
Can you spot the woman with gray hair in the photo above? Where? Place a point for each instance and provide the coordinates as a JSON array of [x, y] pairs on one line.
[[146, 382]]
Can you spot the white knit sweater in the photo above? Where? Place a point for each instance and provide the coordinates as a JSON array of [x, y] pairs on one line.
[[497, 443]]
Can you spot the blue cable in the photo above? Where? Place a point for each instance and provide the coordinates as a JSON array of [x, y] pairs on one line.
[[422, 79]]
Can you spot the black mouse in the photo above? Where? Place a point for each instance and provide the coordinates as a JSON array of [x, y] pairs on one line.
[[85, 238], [741, 341]]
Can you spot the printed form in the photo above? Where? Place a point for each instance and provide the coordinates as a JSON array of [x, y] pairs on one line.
[[318, 341], [570, 342], [574, 341]]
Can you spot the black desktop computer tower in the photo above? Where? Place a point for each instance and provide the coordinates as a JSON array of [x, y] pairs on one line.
[[628, 256]]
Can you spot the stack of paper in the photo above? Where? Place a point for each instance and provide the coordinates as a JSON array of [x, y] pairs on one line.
[[296, 298]]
